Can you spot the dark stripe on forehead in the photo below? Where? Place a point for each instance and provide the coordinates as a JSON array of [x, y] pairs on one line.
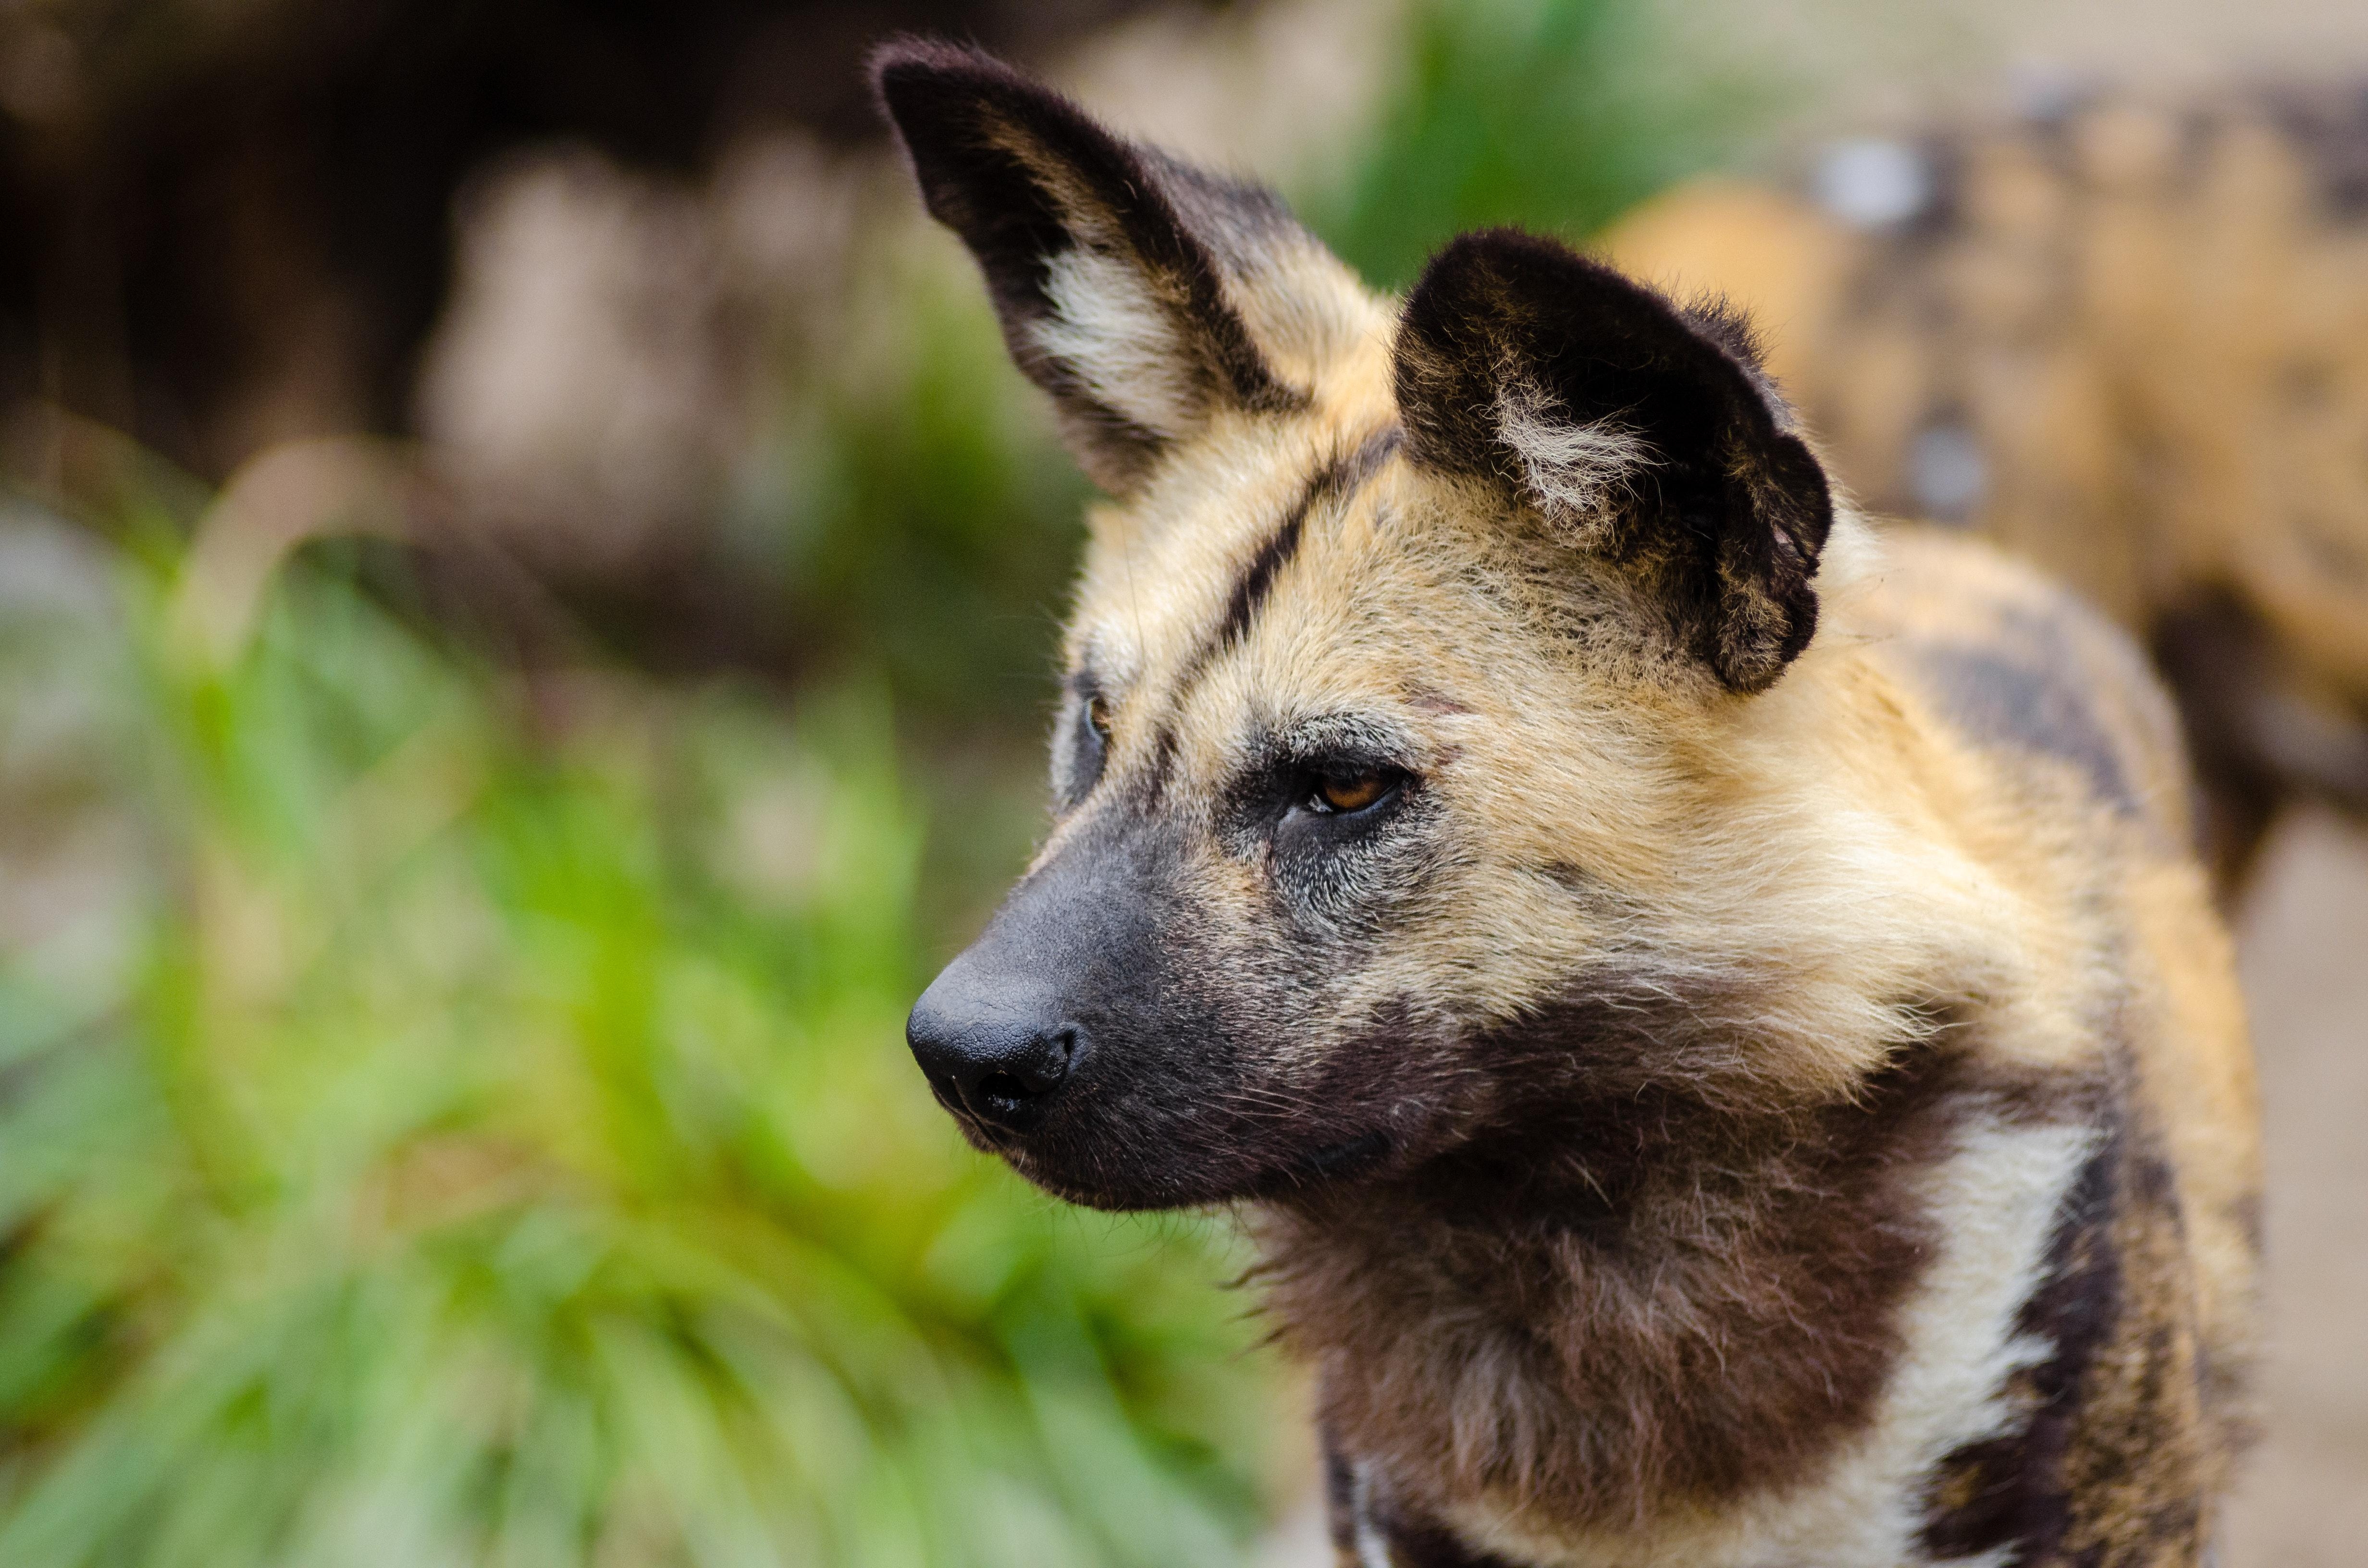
[[1250, 592], [1336, 480]]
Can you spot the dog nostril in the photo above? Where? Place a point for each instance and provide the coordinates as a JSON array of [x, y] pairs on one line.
[[1032, 1074], [1005, 1086], [994, 1057], [1042, 1069], [1014, 1091]]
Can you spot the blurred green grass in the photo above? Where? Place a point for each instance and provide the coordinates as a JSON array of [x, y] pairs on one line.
[[1555, 116], [503, 1140], [469, 1123]]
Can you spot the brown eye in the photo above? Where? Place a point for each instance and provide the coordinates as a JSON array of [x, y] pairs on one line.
[[1097, 714], [1350, 794]]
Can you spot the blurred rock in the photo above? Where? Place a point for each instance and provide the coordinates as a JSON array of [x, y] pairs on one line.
[[582, 391]]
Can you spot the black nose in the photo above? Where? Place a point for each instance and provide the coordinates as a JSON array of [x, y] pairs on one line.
[[1000, 1054]]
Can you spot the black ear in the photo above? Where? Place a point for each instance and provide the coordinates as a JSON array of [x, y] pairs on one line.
[[1641, 432], [1107, 262]]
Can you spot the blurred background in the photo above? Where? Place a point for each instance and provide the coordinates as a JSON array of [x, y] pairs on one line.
[[526, 588]]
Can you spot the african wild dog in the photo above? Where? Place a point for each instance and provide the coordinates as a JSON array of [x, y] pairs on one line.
[[2126, 335], [1718, 1026]]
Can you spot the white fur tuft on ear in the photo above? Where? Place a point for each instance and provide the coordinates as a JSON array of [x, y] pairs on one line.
[[1573, 470], [1111, 333]]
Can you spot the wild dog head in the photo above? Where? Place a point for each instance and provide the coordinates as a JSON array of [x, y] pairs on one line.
[[1417, 738]]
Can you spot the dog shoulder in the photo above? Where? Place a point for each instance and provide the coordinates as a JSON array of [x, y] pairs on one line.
[[2025, 671]]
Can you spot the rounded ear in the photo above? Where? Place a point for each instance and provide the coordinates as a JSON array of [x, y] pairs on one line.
[[1642, 432], [1107, 262]]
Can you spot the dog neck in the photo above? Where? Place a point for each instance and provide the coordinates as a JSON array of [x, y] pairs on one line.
[[1644, 1303]]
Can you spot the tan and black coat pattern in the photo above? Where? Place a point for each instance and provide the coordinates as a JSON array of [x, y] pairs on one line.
[[2127, 337], [1713, 1016]]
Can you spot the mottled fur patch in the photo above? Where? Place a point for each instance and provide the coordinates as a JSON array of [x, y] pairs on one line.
[[2110, 1459]]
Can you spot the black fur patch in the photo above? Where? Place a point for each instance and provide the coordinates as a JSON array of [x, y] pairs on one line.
[[1333, 483], [1155, 777], [2259, 732], [1998, 700], [1024, 175], [2329, 127], [1559, 1271], [1340, 1509], [1725, 525]]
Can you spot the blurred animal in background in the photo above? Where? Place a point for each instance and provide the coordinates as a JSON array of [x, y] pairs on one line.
[[1718, 1017], [2128, 339]]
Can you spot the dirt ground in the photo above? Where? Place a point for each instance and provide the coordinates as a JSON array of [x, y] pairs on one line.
[[2304, 937]]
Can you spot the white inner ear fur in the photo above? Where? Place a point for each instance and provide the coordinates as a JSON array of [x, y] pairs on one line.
[[1118, 340], [1573, 470]]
